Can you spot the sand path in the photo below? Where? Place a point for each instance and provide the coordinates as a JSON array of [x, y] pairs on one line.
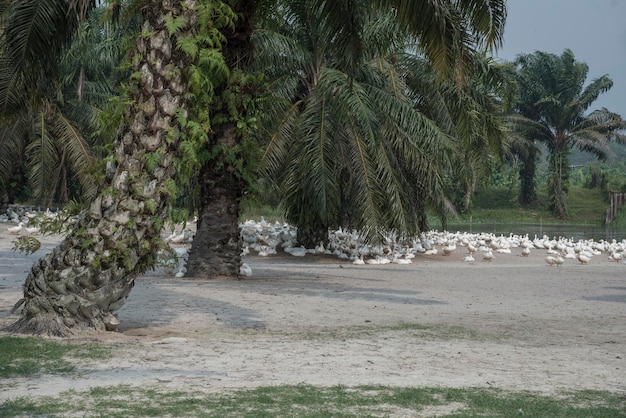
[[513, 323]]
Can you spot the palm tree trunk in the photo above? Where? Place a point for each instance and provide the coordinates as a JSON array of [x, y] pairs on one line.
[[90, 274], [558, 183], [527, 167], [312, 236], [216, 247]]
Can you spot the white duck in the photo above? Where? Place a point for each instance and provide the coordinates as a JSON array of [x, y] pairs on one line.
[[32, 230], [583, 258], [559, 260], [15, 230], [245, 270], [488, 256], [449, 249]]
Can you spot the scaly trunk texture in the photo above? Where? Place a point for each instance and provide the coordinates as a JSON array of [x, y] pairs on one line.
[[216, 250], [90, 274]]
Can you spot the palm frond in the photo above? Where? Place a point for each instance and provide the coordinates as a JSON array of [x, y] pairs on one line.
[[78, 152], [43, 160], [11, 147]]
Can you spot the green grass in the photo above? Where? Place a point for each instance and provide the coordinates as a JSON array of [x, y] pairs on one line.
[[585, 206], [249, 209], [498, 205], [27, 356], [311, 401]]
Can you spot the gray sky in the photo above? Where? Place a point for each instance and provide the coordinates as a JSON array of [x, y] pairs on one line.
[[595, 30]]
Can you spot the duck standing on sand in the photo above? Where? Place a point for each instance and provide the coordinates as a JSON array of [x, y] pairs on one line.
[[488, 256], [15, 230]]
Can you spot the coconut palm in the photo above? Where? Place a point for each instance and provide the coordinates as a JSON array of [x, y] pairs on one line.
[[552, 108]]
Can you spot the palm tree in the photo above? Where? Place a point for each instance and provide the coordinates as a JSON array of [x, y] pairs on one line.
[[49, 136], [225, 158], [552, 105], [90, 274], [446, 32], [344, 150]]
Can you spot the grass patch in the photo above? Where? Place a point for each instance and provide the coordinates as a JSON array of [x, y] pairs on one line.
[[27, 356], [250, 209], [496, 205], [310, 401], [585, 206]]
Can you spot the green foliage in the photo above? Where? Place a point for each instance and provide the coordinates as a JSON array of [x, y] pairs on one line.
[[174, 24], [54, 128], [375, 143], [552, 107], [152, 160], [499, 205], [26, 244], [151, 206]]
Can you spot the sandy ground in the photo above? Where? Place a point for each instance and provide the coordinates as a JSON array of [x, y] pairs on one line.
[[514, 323]]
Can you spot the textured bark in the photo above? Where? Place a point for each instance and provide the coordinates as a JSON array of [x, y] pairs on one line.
[[90, 274], [216, 248], [313, 236]]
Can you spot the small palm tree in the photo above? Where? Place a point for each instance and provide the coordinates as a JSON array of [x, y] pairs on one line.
[[552, 105]]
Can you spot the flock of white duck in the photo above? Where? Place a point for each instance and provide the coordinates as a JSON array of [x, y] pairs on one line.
[[264, 239], [21, 220]]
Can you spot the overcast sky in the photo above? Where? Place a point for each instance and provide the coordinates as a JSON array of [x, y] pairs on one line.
[[595, 31]]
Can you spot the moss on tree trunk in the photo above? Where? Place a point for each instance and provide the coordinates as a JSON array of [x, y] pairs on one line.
[[90, 274]]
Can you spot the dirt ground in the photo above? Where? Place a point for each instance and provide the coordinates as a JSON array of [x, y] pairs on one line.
[[513, 323]]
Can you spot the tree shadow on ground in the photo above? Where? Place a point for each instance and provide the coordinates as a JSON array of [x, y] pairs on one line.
[[161, 301]]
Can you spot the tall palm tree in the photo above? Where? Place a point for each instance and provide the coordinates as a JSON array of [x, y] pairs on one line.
[[90, 274], [344, 149], [225, 158], [552, 108], [448, 31]]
